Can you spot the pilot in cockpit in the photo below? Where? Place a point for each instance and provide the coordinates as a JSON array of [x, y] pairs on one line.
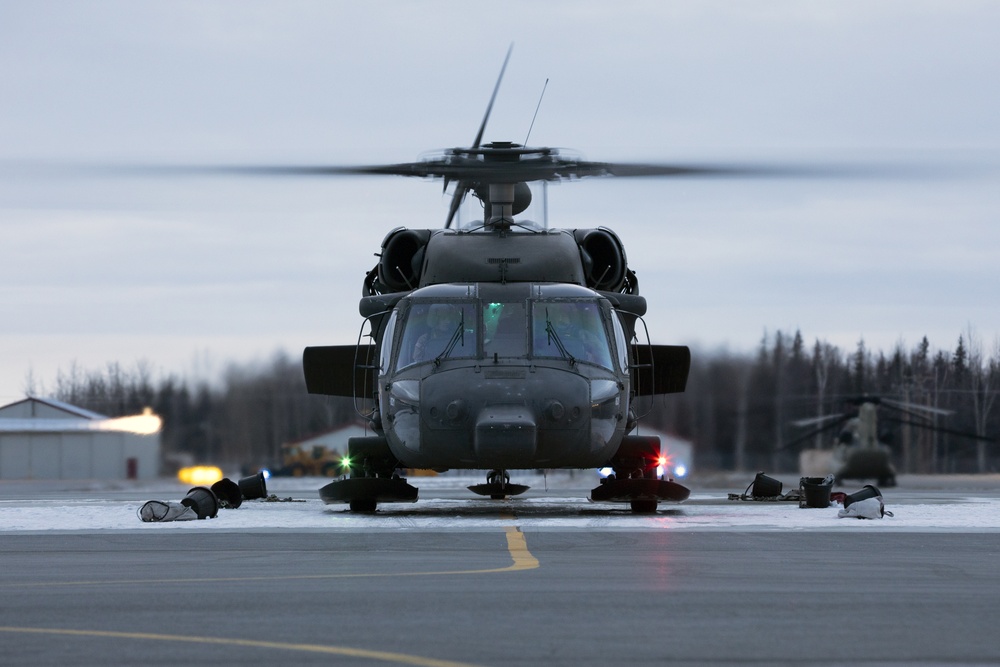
[[567, 324], [441, 322]]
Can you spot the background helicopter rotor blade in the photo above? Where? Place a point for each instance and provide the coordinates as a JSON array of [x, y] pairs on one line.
[[815, 432], [915, 409], [817, 420], [938, 429]]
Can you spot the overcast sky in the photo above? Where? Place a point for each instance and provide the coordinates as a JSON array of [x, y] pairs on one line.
[[188, 274]]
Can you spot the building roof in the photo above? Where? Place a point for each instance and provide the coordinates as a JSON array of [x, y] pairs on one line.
[[28, 407], [335, 436], [46, 415]]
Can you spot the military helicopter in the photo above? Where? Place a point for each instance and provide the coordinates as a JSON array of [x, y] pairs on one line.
[[502, 345], [860, 451]]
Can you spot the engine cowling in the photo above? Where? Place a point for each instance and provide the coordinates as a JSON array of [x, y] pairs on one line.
[[603, 257], [402, 258]]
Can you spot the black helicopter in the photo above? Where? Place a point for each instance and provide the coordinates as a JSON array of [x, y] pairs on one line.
[[502, 345]]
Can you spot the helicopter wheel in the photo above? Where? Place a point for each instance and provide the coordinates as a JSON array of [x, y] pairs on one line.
[[363, 505], [501, 477], [643, 506], [498, 486]]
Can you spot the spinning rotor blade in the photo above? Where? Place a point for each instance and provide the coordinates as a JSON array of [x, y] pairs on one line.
[[938, 429], [817, 420], [911, 409], [456, 201], [470, 167], [811, 434], [489, 107], [461, 189], [914, 408]]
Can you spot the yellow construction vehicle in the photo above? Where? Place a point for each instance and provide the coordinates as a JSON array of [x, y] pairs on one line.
[[314, 461]]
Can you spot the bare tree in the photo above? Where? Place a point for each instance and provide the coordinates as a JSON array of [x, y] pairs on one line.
[[824, 358], [981, 375], [736, 409]]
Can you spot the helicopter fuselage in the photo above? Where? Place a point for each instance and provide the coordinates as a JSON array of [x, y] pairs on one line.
[[505, 347], [505, 376]]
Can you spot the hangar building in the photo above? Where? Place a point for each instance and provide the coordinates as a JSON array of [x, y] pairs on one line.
[[42, 438]]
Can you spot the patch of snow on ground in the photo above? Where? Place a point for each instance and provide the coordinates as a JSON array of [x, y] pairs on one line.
[[446, 505]]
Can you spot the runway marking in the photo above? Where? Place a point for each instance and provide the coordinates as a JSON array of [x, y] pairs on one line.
[[517, 547], [385, 656]]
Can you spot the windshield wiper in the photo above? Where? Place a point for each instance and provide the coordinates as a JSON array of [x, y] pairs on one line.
[[553, 337], [458, 334]]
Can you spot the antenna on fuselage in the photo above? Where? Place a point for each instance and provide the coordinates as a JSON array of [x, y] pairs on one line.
[[545, 184]]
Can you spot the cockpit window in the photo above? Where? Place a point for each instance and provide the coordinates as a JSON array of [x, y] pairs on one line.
[[621, 342], [570, 329], [504, 330], [383, 359], [435, 331]]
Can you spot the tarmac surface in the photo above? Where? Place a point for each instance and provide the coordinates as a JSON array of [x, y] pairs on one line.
[[545, 579]]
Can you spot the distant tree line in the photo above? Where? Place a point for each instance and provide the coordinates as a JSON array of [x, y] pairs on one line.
[[738, 410]]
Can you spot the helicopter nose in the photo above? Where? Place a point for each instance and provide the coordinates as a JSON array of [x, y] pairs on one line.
[[505, 433]]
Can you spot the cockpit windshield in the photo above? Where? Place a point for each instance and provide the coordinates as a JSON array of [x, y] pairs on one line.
[[560, 328], [570, 329], [436, 331]]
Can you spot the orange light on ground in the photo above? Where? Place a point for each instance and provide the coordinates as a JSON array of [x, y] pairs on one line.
[[199, 475]]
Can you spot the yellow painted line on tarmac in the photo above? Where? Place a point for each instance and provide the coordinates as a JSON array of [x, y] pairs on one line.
[[517, 547], [385, 656]]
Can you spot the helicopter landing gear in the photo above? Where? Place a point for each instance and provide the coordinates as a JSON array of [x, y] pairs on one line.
[[363, 494], [373, 478], [498, 479], [643, 506], [498, 486], [641, 493], [635, 481], [366, 505]]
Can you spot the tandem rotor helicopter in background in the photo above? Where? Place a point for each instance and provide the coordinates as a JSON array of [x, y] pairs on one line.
[[502, 345], [860, 450]]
